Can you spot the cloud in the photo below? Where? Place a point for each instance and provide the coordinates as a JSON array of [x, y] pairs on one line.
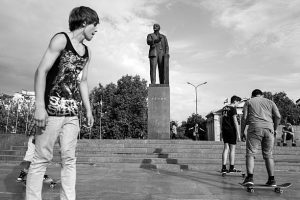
[[234, 45], [259, 25], [120, 43]]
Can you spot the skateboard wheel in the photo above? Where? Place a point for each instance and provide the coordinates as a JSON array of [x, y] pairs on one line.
[[52, 185], [281, 191], [278, 190], [223, 174], [251, 190]]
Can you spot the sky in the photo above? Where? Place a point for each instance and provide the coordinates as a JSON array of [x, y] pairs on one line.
[[233, 45]]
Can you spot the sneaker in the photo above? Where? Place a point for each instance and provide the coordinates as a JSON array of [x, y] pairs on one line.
[[22, 176], [271, 183], [234, 170], [294, 144], [284, 144], [248, 181], [47, 179], [224, 171]]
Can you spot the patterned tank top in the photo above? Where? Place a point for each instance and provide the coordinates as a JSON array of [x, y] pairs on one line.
[[62, 94]]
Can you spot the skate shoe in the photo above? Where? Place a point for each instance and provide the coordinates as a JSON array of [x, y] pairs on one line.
[[234, 170], [224, 170], [271, 183], [47, 179], [22, 176], [248, 181]]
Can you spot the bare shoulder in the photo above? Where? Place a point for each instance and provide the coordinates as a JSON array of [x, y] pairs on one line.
[[58, 42]]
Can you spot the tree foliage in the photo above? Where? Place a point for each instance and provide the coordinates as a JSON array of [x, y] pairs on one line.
[[287, 108], [15, 113], [190, 123], [124, 109]]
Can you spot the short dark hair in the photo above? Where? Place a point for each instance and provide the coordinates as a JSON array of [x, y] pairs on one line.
[[235, 98], [82, 14], [256, 92]]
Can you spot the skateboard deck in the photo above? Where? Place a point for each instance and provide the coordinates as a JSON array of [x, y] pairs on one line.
[[277, 188], [52, 182], [239, 173]]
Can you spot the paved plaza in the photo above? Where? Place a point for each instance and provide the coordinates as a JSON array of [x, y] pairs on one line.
[[127, 183]]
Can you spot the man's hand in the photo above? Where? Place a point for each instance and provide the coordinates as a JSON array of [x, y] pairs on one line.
[[244, 137], [90, 119], [40, 117]]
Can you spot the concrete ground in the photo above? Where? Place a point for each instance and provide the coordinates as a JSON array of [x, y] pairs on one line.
[[99, 183]]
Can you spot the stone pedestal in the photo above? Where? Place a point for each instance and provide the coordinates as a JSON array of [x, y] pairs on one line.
[[159, 111]]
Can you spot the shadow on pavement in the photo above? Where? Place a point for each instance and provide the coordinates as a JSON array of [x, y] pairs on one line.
[[13, 188]]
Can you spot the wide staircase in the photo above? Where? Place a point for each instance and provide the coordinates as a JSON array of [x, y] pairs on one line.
[[173, 155]]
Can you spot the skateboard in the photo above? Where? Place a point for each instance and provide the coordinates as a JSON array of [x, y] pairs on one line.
[[278, 188], [233, 173], [52, 183]]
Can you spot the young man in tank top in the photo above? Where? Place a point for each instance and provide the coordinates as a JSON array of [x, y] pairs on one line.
[[60, 84]]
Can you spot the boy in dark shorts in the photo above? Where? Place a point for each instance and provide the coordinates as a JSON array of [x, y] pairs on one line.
[[27, 161], [230, 133]]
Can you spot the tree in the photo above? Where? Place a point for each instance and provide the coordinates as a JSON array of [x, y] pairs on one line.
[[124, 109], [131, 106], [287, 108], [190, 123], [15, 113]]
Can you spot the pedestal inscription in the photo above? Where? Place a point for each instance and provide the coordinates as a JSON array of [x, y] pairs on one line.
[[159, 111]]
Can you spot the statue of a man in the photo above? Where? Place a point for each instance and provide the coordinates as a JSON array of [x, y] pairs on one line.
[[158, 55]]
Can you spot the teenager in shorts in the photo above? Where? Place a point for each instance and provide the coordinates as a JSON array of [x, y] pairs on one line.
[[262, 117], [230, 133], [27, 161]]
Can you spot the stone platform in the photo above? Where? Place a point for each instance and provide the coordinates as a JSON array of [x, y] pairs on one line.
[[127, 183]]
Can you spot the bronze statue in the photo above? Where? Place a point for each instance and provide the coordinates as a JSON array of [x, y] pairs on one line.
[[158, 55]]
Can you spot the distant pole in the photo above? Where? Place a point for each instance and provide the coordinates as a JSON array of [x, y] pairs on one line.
[[100, 133], [196, 93], [7, 119], [17, 115], [27, 117]]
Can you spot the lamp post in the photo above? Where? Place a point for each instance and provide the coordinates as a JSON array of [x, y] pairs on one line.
[[196, 93], [101, 102]]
